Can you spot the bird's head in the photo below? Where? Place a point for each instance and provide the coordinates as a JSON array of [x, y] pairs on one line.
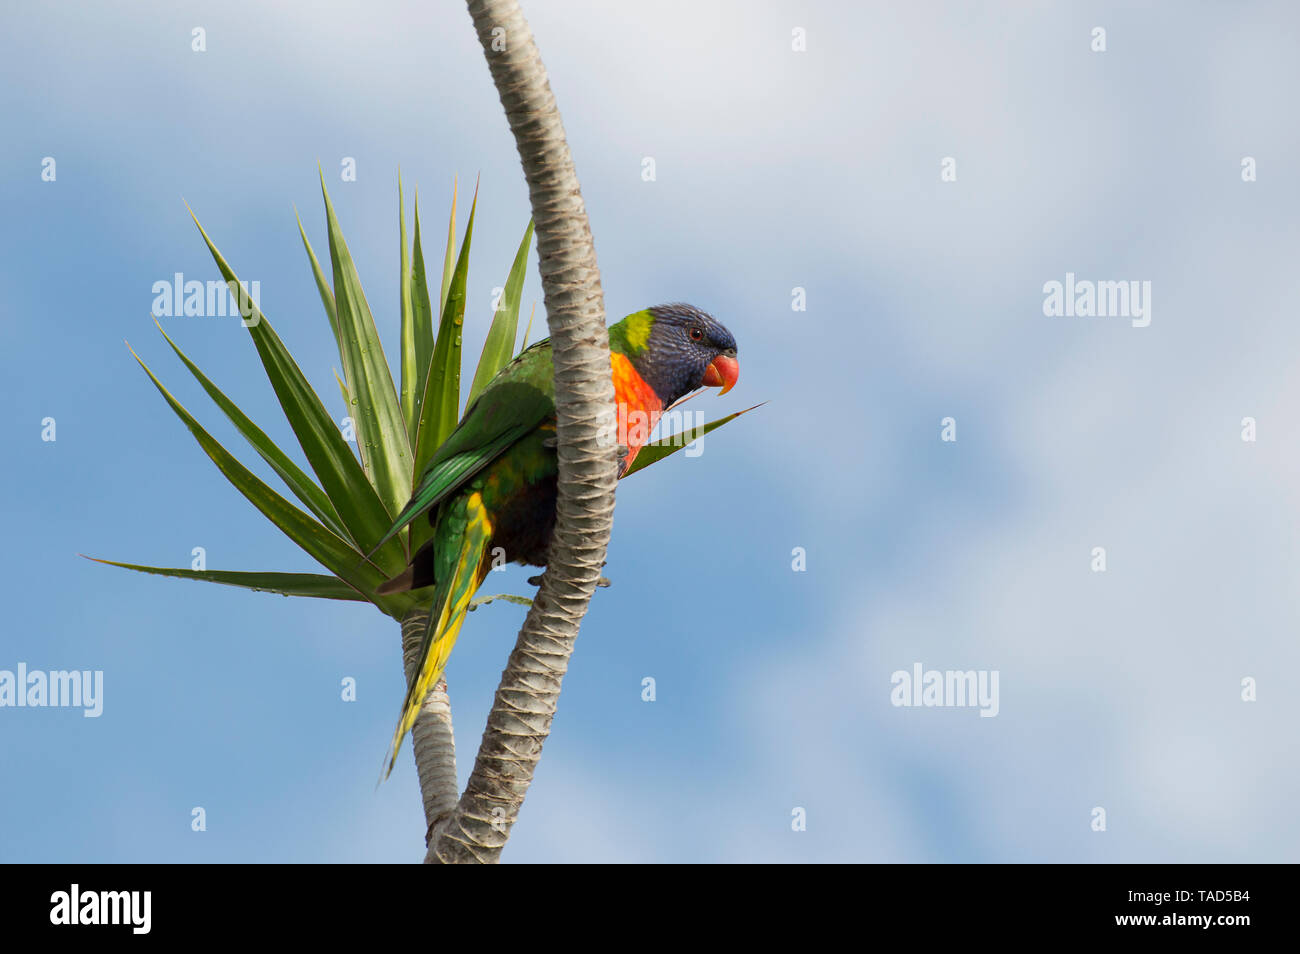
[[678, 348]]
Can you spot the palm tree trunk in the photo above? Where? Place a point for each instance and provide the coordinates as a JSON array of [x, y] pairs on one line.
[[526, 698], [432, 740]]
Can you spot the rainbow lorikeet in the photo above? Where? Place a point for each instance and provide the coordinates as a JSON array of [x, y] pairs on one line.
[[492, 483]]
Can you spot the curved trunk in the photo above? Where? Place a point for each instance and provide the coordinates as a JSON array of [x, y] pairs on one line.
[[431, 736], [526, 698]]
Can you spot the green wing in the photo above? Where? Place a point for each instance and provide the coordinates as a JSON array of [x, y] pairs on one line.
[[520, 397]]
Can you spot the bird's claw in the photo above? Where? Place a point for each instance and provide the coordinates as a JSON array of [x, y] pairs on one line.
[[537, 580]]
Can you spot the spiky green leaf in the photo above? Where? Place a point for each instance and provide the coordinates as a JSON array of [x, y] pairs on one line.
[[449, 257], [303, 487], [656, 451], [381, 432], [323, 545], [410, 365], [340, 474], [440, 408], [317, 585], [322, 286], [528, 327], [422, 318], [499, 347]]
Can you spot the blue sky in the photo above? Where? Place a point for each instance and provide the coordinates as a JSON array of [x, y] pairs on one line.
[[775, 169]]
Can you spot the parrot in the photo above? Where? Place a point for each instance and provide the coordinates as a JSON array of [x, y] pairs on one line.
[[492, 483]]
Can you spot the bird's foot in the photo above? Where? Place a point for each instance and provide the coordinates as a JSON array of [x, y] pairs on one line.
[[537, 580]]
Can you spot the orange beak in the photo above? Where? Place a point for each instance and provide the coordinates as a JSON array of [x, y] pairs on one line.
[[722, 372]]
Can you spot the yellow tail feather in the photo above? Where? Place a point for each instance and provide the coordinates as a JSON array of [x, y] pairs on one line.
[[445, 620]]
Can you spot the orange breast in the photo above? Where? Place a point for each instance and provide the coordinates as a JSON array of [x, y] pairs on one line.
[[638, 406]]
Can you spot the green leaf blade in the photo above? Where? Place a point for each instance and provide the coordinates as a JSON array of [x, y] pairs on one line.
[[410, 366], [440, 409], [656, 451], [318, 585], [302, 486], [422, 319], [499, 347], [528, 328], [449, 257], [381, 431], [324, 546], [322, 286], [340, 474]]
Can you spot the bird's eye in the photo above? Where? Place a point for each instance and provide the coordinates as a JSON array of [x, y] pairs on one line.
[[697, 334]]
